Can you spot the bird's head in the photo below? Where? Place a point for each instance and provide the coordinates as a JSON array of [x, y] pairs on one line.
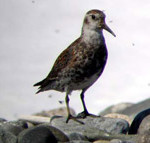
[[95, 20]]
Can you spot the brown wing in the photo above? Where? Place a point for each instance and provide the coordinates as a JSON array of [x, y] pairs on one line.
[[62, 61]]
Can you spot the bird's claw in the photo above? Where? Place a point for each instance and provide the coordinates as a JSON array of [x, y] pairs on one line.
[[73, 118], [84, 114]]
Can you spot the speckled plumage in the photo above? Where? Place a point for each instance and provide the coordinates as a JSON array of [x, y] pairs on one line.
[[81, 64]]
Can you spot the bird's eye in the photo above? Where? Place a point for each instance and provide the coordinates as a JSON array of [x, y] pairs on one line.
[[93, 17]]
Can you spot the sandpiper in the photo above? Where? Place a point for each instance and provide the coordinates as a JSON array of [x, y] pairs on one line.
[[82, 63]]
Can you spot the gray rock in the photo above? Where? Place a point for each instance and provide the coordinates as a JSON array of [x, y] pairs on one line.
[[59, 135], [93, 128], [118, 108], [15, 127], [2, 120], [144, 127], [36, 135], [127, 108], [120, 141], [121, 138], [101, 141], [78, 141], [77, 136], [137, 121], [42, 134], [120, 116], [143, 139], [58, 112], [35, 120], [136, 108], [7, 137]]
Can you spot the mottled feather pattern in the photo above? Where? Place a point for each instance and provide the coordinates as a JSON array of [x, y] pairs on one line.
[[82, 63]]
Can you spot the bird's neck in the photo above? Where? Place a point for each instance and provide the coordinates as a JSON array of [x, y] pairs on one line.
[[92, 36]]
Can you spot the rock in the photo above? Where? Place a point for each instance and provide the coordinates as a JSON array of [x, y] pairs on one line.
[[127, 108], [137, 121], [118, 108], [42, 134], [77, 136], [36, 135], [143, 139], [120, 116], [133, 110], [101, 141], [58, 112], [144, 127], [121, 138], [59, 135], [35, 120], [78, 141], [29, 124], [2, 120], [15, 127], [7, 137], [120, 141], [93, 128]]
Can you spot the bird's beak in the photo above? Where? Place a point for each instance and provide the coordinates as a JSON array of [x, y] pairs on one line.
[[108, 29]]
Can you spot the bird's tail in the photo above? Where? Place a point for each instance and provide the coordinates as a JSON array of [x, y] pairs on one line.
[[43, 85]]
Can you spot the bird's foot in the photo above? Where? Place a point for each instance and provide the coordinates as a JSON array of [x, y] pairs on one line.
[[84, 114], [73, 118]]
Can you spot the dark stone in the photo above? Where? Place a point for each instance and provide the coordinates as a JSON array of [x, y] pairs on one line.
[[7, 137], [59, 135], [41, 134], [2, 120], [137, 121], [15, 127]]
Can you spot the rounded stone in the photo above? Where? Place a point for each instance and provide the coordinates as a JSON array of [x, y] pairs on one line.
[[2, 120], [119, 116], [15, 127], [43, 133], [77, 136], [78, 141], [59, 135], [118, 108], [7, 137], [144, 127]]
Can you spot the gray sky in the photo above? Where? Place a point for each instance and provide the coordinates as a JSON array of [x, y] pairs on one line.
[[34, 32]]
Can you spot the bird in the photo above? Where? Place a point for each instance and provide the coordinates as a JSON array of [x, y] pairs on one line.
[[81, 63]]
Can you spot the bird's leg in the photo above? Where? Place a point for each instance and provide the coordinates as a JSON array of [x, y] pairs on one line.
[[85, 113], [68, 110]]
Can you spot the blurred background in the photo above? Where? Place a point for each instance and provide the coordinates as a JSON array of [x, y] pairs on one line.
[[34, 32]]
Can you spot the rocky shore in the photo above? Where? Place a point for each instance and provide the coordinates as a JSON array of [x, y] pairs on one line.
[[122, 123]]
